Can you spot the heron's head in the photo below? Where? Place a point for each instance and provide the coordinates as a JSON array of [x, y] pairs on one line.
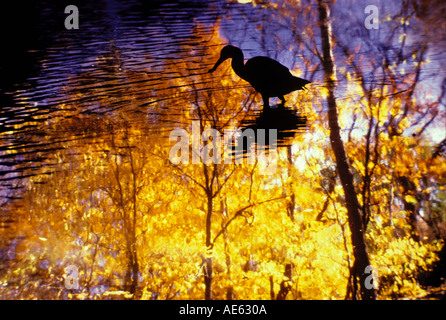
[[226, 53]]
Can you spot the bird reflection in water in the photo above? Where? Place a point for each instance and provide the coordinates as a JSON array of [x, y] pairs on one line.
[[285, 123]]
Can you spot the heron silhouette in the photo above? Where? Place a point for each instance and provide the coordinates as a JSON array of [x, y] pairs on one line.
[[268, 77]]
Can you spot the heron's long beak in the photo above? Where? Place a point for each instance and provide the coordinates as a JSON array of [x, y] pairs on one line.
[[217, 64]]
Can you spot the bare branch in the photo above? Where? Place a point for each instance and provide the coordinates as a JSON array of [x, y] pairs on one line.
[[239, 213]]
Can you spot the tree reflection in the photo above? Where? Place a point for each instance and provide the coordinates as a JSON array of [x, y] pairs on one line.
[[108, 200]]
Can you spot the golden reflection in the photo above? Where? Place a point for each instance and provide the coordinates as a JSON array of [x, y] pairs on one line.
[[110, 211]]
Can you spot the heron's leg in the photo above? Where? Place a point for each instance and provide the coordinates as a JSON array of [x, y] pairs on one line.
[[265, 99], [282, 98]]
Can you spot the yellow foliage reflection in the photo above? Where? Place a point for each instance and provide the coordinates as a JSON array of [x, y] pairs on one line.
[[135, 226]]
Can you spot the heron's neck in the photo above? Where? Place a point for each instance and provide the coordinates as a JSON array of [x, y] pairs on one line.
[[238, 65]]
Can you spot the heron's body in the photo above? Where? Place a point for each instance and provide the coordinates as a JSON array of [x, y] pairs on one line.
[[267, 76]]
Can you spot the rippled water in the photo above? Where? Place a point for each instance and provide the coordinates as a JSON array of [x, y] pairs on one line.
[[143, 65], [123, 59], [51, 72]]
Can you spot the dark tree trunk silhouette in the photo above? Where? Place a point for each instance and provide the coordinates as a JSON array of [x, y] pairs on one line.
[[208, 261], [353, 208], [408, 188], [129, 222]]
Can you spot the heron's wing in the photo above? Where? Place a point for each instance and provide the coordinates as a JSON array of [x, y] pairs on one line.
[[265, 65], [266, 74]]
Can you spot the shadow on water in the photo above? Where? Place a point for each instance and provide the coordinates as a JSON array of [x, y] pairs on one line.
[[271, 128]]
